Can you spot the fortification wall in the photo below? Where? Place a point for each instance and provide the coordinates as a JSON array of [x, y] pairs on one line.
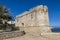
[[43, 36], [6, 35], [51, 36]]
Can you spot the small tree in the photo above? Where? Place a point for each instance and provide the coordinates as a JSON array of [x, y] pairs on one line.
[[4, 14]]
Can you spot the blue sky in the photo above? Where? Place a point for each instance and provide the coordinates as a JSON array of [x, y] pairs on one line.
[[18, 6]]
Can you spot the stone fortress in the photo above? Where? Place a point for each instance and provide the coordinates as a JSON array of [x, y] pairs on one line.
[[35, 23], [34, 19]]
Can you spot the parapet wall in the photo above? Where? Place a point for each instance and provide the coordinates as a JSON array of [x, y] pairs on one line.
[[6, 35], [52, 35]]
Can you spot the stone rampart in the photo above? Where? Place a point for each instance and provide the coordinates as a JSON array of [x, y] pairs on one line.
[[6, 35]]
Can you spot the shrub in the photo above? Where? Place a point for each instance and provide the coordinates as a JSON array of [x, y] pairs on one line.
[[15, 28], [1, 27]]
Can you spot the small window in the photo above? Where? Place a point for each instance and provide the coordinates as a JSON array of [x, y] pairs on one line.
[[31, 15], [42, 9], [46, 10]]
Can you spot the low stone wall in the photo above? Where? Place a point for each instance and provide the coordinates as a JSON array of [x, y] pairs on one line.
[[6, 35], [51, 35], [43, 36]]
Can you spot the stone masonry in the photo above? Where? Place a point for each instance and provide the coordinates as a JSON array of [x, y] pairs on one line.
[[34, 21]]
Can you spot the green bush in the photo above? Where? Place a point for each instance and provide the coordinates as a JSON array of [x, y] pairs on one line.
[[2, 27], [15, 28]]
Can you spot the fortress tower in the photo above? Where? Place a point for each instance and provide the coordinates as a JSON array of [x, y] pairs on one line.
[[34, 21]]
